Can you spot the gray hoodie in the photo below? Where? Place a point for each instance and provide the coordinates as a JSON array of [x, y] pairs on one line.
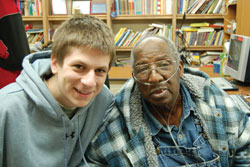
[[34, 131]]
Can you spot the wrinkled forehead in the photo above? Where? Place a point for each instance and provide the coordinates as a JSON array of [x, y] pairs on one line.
[[153, 49]]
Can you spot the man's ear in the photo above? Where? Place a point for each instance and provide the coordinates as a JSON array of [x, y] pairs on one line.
[[181, 68], [53, 64]]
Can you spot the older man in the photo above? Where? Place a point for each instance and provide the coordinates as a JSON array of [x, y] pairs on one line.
[[168, 115]]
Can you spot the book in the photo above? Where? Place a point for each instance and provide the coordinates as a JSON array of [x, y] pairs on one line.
[[58, 7], [208, 59], [137, 38], [169, 6], [128, 41], [124, 37], [192, 6], [138, 7], [189, 29], [218, 6], [125, 43], [203, 6], [120, 38], [81, 7], [211, 9], [207, 7], [205, 29], [199, 4], [199, 24], [121, 31]]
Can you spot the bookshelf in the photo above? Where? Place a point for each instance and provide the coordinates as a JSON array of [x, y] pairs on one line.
[[236, 12], [48, 21]]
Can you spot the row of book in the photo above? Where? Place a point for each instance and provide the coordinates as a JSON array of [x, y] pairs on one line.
[[205, 58], [127, 37], [139, 7], [201, 34], [35, 35], [199, 38], [200, 6], [30, 7]]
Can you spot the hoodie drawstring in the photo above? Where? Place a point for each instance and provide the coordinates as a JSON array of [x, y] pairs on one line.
[[80, 143], [64, 143]]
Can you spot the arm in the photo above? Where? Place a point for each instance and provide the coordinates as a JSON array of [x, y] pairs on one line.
[[242, 155]]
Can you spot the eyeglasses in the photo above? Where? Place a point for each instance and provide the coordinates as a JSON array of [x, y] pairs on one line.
[[166, 68]]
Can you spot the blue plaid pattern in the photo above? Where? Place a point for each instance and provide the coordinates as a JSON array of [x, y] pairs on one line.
[[118, 144]]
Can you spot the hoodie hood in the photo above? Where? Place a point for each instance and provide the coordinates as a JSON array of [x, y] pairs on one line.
[[31, 82]]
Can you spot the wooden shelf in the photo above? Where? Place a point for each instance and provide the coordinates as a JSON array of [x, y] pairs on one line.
[[205, 48], [65, 17], [192, 48], [32, 18], [232, 4], [120, 73], [228, 33], [143, 17], [201, 16], [126, 49]]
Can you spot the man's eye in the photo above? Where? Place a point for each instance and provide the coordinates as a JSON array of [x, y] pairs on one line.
[[78, 66], [142, 68], [163, 63], [101, 71]]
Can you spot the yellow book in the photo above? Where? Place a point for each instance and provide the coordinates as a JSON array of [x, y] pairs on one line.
[[199, 24], [138, 36], [118, 35], [190, 29], [217, 38]]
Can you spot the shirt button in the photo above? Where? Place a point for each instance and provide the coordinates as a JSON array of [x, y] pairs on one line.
[[180, 136], [224, 148]]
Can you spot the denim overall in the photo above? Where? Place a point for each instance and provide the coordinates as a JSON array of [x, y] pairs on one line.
[[199, 155]]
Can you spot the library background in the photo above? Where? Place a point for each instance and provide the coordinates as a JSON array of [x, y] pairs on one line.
[[201, 29]]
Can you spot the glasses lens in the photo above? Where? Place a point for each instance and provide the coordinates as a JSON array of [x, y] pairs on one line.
[[164, 67]]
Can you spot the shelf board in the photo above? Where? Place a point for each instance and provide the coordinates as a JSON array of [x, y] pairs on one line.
[[192, 48], [65, 17], [232, 4], [143, 17], [204, 48], [32, 18], [201, 16], [228, 33], [124, 49]]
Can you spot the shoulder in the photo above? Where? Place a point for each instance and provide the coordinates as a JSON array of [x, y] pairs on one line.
[[113, 128], [10, 91], [12, 98], [105, 94]]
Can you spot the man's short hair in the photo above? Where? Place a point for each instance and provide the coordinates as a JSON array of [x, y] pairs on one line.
[[169, 43], [83, 31]]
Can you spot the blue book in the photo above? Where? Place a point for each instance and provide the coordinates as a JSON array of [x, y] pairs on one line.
[[138, 8], [124, 37], [207, 7], [119, 40]]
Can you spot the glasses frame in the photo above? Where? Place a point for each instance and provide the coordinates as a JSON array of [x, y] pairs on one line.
[[158, 83]]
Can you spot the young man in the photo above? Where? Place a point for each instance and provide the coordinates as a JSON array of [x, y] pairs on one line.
[[52, 111], [168, 115]]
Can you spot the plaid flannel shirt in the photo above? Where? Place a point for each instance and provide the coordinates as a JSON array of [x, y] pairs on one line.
[[121, 141]]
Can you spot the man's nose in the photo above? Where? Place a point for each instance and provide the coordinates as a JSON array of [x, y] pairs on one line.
[[154, 75], [89, 78]]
